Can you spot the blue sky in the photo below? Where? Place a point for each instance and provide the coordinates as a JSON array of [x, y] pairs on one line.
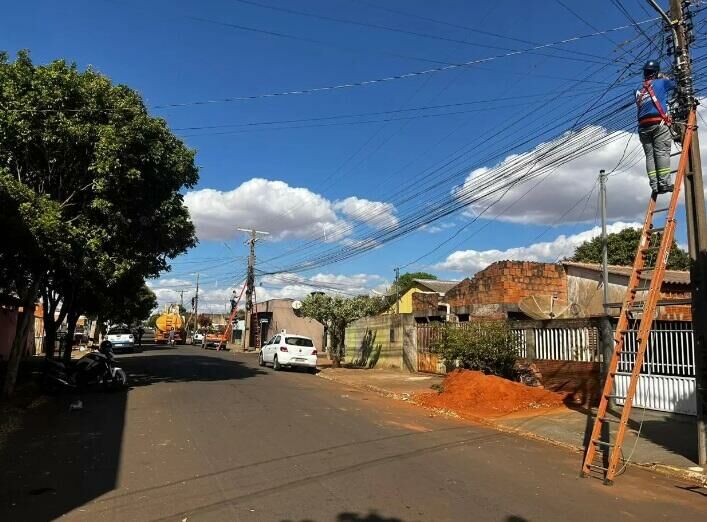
[[326, 173]]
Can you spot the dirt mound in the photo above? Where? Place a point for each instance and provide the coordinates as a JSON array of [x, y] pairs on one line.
[[476, 394]]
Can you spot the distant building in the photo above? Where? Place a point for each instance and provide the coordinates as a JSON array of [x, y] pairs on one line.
[[276, 315], [432, 287]]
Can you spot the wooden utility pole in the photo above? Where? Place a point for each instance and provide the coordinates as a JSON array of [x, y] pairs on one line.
[[397, 290], [679, 22], [196, 303], [250, 285]]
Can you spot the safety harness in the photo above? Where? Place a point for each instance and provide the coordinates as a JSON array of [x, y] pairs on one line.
[[664, 117]]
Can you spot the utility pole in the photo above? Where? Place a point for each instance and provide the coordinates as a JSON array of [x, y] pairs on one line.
[[604, 240], [196, 303], [250, 285], [181, 301], [679, 23], [397, 290]]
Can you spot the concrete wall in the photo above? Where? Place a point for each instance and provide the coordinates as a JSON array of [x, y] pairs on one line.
[[384, 341], [585, 288], [282, 317]]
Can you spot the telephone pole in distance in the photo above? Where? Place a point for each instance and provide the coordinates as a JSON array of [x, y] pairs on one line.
[[250, 284]]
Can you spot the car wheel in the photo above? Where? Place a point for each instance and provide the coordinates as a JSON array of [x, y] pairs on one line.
[[261, 361], [313, 371], [275, 364]]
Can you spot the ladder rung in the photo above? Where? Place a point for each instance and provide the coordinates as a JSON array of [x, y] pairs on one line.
[[609, 419], [656, 230], [602, 443], [594, 466], [661, 210], [678, 153]]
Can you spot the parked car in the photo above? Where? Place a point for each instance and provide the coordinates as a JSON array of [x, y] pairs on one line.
[[197, 338], [288, 350], [121, 338]]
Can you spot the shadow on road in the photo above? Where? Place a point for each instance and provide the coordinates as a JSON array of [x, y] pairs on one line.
[[144, 370], [57, 460]]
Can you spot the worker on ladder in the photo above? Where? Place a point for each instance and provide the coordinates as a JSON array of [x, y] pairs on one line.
[[654, 125]]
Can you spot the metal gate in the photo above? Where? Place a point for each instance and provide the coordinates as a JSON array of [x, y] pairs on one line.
[[667, 381], [427, 360]]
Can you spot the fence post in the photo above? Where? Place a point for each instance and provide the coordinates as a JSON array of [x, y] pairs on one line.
[[606, 348], [530, 344]]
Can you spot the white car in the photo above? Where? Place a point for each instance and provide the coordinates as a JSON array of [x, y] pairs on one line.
[[289, 350], [121, 338], [197, 338]]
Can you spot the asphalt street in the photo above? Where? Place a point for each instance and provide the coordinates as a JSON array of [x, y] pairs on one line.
[[205, 435]]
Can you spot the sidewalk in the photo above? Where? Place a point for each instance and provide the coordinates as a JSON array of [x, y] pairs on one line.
[[667, 441]]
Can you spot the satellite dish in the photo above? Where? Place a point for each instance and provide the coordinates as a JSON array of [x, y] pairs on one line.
[[546, 307], [296, 305]]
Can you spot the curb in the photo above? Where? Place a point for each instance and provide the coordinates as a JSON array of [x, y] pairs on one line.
[[660, 469]]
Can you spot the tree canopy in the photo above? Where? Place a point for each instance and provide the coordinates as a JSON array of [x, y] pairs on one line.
[[336, 312], [622, 248], [407, 280], [96, 182]]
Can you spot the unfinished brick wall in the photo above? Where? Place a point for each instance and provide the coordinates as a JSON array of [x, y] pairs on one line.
[[580, 380], [424, 301], [675, 312], [507, 282]]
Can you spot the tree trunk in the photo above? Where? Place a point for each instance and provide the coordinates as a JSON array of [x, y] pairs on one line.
[[24, 320], [72, 318]]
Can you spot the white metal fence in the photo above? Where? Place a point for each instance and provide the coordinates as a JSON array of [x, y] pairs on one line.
[[567, 344], [667, 380]]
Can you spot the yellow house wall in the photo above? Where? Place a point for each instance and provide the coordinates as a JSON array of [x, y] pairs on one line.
[[405, 302]]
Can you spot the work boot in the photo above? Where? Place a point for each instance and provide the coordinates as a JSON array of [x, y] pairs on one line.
[[664, 189]]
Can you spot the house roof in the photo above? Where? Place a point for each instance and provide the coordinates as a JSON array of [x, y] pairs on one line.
[[441, 287], [678, 277]]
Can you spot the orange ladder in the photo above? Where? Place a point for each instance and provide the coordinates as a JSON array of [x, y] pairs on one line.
[[625, 361]]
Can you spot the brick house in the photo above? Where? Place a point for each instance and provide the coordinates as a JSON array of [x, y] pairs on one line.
[[530, 290]]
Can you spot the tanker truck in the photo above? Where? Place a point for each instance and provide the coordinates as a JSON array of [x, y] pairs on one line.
[[170, 319]]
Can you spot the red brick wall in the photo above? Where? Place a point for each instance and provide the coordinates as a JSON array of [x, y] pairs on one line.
[[579, 379], [677, 312], [423, 301], [507, 282]]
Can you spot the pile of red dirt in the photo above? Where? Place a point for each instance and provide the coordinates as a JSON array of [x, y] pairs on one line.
[[476, 394]]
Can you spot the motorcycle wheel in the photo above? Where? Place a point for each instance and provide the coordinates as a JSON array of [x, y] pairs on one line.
[[120, 380]]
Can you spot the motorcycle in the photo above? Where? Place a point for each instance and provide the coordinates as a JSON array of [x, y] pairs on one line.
[[95, 368]]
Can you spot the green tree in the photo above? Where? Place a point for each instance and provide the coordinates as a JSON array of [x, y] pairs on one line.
[[204, 320], [622, 247], [486, 346], [34, 234], [336, 313], [152, 320], [407, 281], [113, 173], [129, 305]]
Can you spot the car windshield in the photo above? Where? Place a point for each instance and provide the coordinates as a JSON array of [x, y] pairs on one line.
[[118, 331], [299, 341]]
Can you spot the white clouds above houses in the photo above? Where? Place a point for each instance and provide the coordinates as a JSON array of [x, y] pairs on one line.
[[284, 211], [471, 261]]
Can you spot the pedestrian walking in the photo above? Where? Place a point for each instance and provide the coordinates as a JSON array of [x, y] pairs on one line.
[[139, 333], [654, 125], [171, 336], [203, 340]]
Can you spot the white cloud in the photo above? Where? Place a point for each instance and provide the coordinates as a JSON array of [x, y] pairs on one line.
[[273, 206], [434, 228], [471, 261], [377, 214], [284, 211], [627, 189]]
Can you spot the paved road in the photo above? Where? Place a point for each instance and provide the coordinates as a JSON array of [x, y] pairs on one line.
[[210, 436]]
